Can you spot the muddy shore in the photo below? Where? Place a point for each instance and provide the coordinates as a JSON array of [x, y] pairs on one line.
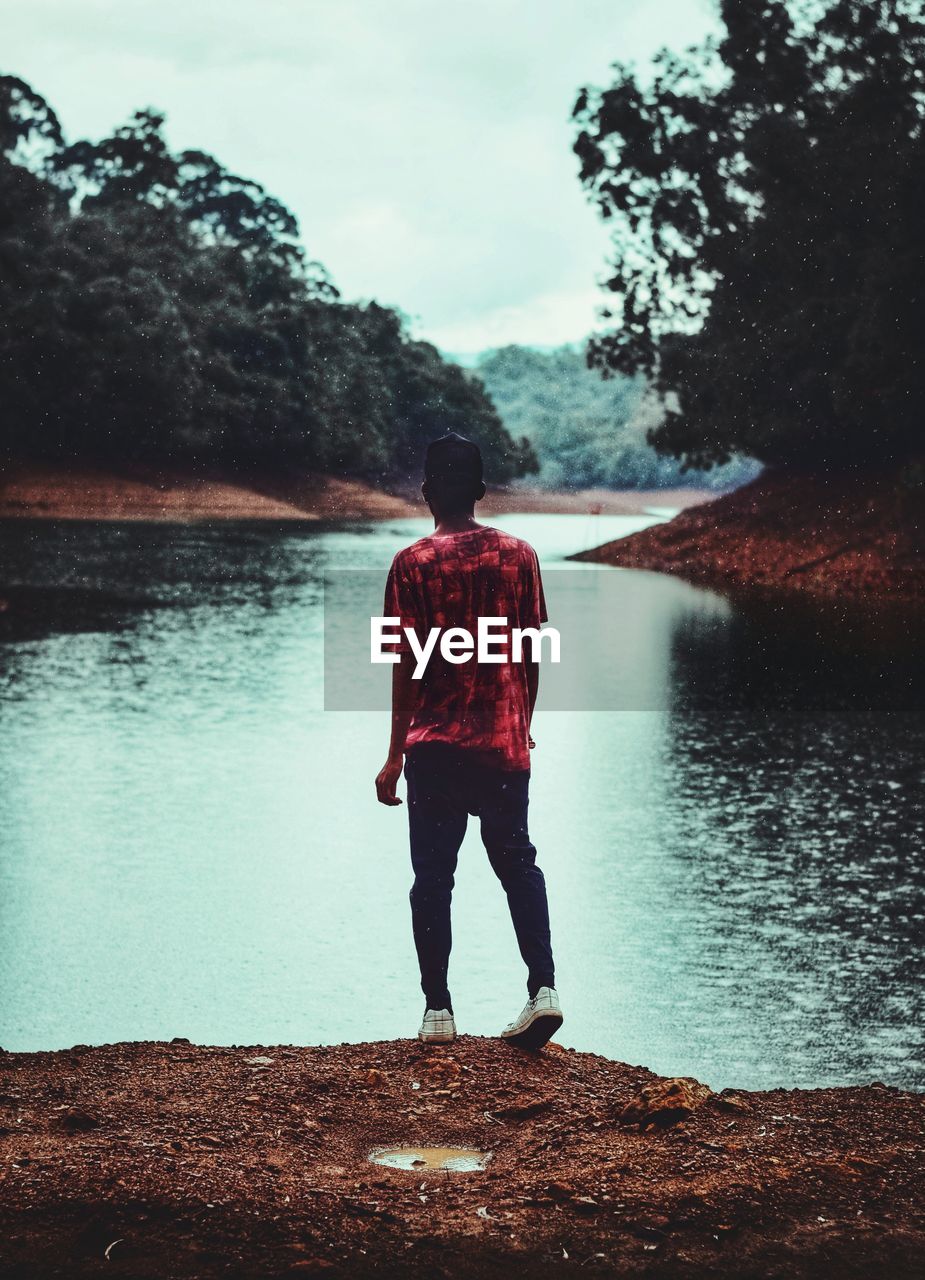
[[156, 1160], [88, 494], [860, 538]]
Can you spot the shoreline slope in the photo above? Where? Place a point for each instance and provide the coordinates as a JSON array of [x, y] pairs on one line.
[[85, 493], [845, 537]]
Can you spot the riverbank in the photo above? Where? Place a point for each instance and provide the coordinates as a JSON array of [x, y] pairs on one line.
[[839, 538], [88, 494], [153, 1159]]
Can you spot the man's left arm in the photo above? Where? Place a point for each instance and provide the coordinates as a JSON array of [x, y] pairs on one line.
[[535, 615], [533, 685]]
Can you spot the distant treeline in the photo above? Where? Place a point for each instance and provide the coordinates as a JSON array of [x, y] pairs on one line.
[[588, 432], [157, 309]]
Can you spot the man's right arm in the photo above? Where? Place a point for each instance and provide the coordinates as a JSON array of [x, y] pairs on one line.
[[400, 602], [405, 692]]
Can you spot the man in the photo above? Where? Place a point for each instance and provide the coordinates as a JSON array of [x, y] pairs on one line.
[[463, 731]]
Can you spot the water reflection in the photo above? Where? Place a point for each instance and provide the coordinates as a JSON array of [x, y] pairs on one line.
[[432, 1159], [190, 846]]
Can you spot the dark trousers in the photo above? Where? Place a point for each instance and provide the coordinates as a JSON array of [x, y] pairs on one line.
[[444, 786]]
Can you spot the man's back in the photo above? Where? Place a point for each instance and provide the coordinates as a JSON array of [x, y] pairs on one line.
[[453, 580]]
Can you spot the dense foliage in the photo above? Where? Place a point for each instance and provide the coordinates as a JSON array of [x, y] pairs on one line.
[[155, 308], [587, 431], [766, 194]]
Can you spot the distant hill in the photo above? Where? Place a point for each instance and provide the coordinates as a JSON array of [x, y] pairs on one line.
[[587, 432]]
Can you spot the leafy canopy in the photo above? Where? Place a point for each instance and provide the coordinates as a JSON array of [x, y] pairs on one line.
[[765, 192], [158, 309], [586, 432]]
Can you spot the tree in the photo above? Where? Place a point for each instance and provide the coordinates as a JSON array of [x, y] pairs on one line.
[[135, 165], [156, 308], [765, 193], [586, 431]]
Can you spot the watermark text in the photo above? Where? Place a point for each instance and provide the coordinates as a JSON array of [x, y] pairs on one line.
[[457, 644]]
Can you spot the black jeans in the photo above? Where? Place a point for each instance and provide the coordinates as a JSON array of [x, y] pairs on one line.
[[444, 786]]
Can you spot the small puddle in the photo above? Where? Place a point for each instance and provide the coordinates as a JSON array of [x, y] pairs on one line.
[[428, 1159]]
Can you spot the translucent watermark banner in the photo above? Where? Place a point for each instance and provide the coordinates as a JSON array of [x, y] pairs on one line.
[[610, 642]]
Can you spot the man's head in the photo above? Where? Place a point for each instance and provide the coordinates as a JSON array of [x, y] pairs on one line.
[[452, 475]]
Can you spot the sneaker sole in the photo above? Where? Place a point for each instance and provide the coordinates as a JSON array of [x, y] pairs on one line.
[[542, 1027], [440, 1038]]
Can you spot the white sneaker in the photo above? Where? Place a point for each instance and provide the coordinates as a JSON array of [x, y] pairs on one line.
[[438, 1027], [541, 1019]]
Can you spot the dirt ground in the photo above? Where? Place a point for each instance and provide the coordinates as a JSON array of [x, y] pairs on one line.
[[839, 537], [88, 494], [173, 1160]]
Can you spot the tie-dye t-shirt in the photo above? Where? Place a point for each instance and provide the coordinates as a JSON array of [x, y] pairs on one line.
[[451, 580]]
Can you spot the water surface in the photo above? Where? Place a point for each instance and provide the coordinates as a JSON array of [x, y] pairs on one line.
[[190, 845]]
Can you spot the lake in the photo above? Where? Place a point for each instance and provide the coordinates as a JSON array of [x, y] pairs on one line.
[[191, 846]]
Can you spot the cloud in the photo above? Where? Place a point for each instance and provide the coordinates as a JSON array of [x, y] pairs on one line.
[[425, 149], [545, 319]]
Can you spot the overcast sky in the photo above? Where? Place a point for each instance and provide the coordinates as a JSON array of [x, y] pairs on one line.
[[425, 147]]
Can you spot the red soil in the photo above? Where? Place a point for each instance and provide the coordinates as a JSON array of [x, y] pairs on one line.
[[841, 537], [93, 494], [86, 493], [174, 1160]]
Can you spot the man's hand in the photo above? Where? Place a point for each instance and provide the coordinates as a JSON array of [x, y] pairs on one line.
[[387, 779]]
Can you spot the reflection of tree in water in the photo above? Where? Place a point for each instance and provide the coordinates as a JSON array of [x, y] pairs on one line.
[[805, 655], [107, 575], [795, 792]]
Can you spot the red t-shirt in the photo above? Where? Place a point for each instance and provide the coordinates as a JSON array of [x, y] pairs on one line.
[[451, 580]]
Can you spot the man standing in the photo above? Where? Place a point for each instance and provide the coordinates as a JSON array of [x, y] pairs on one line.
[[463, 732]]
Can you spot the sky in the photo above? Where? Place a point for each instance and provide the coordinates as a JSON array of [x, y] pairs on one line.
[[425, 148]]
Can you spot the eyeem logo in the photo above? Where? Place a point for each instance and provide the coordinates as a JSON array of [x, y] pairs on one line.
[[458, 645]]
